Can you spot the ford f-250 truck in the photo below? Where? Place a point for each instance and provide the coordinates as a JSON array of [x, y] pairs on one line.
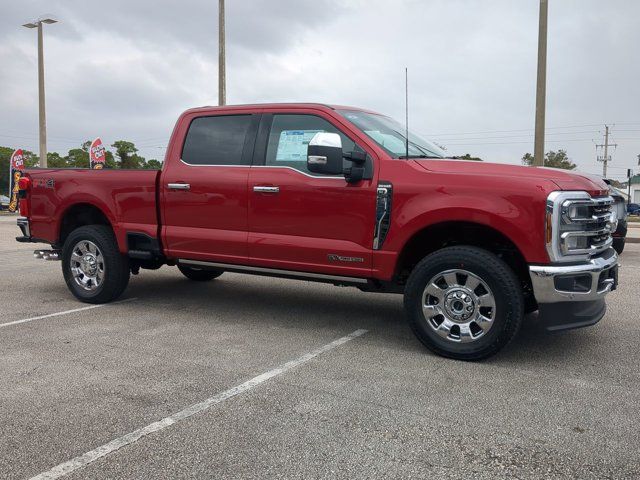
[[339, 195]]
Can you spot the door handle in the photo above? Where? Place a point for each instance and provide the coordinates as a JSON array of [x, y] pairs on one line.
[[266, 189], [178, 186]]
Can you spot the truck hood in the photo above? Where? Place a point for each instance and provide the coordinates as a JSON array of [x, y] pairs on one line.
[[564, 179]]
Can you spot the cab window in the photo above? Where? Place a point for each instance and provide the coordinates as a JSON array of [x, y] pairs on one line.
[[217, 140], [289, 138]]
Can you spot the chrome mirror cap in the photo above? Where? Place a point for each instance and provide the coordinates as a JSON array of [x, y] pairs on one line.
[[326, 139]]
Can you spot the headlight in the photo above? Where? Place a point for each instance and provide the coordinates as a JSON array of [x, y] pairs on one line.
[[578, 226]]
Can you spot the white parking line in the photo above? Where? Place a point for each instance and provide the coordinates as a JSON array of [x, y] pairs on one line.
[[82, 309], [129, 438]]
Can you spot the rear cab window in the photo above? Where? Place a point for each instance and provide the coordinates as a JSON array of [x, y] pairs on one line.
[[217, 140]]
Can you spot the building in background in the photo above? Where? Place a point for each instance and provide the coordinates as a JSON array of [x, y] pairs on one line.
[[635, 189]]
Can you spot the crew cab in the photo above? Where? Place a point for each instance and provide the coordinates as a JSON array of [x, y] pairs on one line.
[[340, 195]]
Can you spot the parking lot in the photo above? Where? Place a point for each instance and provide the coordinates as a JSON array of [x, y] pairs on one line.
[[116, 391]]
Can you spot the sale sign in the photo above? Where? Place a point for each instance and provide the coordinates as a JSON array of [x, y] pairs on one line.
[[97, 154], [16, 167]]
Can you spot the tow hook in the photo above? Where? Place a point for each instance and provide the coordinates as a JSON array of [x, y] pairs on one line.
[[47, 254]]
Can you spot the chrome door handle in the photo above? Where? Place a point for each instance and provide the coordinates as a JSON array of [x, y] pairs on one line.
[[266, 189], [178, 186]]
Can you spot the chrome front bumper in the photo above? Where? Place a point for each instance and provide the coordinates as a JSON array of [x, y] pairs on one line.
[[592, 280]]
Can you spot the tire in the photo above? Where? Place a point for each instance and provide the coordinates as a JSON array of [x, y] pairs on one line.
[[99, 243], [618, 244], [199, 274], [447, 324]]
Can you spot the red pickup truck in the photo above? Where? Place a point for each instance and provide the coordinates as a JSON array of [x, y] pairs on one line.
[[339, 195]]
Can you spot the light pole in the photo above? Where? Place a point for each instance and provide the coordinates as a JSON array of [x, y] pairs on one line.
[[222, 81], [541, 89], [43, 120]]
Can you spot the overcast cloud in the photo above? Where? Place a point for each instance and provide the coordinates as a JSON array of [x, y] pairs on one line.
[[126, 69]]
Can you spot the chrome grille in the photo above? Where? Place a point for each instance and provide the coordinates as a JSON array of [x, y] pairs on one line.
[[582, 225]]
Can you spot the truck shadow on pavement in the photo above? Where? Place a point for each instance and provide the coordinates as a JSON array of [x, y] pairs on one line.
[[307, 305], [253, 300]]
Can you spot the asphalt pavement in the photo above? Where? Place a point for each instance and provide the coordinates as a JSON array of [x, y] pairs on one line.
[[253, 377]]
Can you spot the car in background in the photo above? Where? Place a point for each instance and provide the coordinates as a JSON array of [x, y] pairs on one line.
[[633, 209], [620, 207], [4, 202]]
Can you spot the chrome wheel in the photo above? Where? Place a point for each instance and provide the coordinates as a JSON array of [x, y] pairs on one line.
[[87, 265], [458, 305]]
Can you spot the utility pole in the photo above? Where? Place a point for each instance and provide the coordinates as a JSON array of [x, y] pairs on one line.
[[629, 175], [605, 158], [41, 104], [541, 89], [222, 81]]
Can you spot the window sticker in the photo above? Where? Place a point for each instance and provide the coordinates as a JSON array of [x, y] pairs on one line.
[[292, 145]]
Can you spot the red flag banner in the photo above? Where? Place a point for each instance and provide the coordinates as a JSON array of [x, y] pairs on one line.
[[16, 167], [97, 154]]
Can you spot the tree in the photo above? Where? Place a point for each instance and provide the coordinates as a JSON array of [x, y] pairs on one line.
[[126, 153], [552, 159], [77, 158], [467, 156], [153, 164], [54, 160], [5, 155]]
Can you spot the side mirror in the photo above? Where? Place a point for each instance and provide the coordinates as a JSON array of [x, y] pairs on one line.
[[324, 154]]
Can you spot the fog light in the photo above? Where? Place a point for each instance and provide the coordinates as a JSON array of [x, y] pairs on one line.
[[573, 283], [576, 242]]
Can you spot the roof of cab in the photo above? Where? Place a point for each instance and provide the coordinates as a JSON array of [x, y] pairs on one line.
[[322, 106]]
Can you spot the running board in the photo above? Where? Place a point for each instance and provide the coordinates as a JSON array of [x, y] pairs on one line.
[[274, 272]]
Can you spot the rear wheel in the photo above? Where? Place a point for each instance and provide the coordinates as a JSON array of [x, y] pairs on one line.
[[464, 303], [94, 269], [199, 274]]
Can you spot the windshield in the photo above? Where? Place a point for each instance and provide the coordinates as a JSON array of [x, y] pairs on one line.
[[390, 135]]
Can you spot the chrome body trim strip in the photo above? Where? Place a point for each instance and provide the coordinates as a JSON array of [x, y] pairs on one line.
[[272, 271], [383, 214], [328, 177]]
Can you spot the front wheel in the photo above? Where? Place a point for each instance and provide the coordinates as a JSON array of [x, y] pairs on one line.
[[94, 269], [464, 303]]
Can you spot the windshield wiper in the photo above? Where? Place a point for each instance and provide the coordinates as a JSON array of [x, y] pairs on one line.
[[418, 156]]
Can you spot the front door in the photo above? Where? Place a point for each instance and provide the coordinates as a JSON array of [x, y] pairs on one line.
[[204, 189], [304, 221]]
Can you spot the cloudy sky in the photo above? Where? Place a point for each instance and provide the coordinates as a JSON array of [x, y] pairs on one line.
[[125, 69]]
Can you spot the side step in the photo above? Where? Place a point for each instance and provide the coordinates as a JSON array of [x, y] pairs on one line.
[[274, 272]]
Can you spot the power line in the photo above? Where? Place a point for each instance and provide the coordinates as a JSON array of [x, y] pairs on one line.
[[518, 130]]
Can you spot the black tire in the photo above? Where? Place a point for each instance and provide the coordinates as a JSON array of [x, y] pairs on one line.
[[495, 273], [199, 274], [618, 244], [116, 266]]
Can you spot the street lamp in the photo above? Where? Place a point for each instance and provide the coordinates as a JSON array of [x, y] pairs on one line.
[[43, 121]]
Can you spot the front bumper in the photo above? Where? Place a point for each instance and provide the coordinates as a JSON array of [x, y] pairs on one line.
[[572, 296], [575, 283]]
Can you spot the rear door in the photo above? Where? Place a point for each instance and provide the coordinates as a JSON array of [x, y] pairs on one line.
[[204, 188], [304, 221]]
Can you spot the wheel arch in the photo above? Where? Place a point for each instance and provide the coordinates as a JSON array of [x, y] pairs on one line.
[[81, 214], [452, 233]]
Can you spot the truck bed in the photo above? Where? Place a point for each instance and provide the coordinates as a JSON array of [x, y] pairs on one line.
[[127, 197]]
